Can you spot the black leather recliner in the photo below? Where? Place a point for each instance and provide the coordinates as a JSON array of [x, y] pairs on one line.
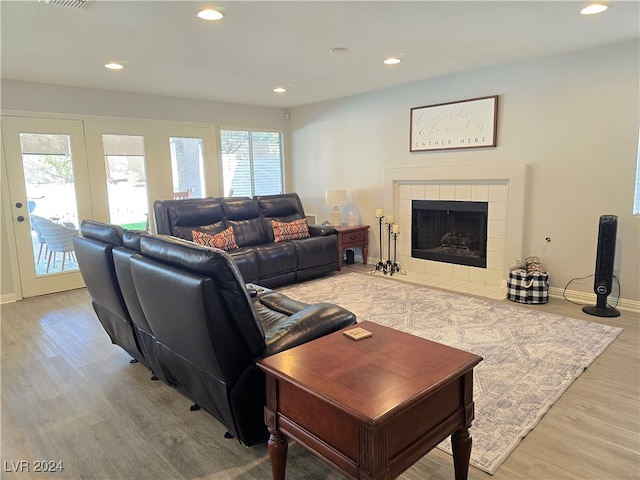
[[210, 329], [93, 250], [259, 258], [146, 339], [185, 312]]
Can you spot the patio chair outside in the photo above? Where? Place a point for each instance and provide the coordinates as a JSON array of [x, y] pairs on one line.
[[58, 237], [182, 195], [43, 243]]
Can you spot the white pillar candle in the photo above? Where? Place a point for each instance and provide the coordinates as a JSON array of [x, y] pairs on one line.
[[379, 213], [396, 228], [389, 218]]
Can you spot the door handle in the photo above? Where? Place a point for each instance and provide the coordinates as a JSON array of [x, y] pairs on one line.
[[20, 218]]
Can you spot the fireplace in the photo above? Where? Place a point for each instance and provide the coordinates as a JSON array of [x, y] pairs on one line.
[[502, 186], [450, 231]]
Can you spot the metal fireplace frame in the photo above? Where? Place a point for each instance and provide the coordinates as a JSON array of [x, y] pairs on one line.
[[480, 208]]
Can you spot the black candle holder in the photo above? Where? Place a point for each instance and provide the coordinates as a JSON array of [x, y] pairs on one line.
[[380, 266], [395, 266], [388, 264]]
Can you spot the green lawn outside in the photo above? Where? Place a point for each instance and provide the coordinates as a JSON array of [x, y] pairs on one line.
[[135, 226]]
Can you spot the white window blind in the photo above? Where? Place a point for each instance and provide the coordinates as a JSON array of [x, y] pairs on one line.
[[251, 162]]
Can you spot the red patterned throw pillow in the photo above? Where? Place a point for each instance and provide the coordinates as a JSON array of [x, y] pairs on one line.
[[290, 231], [224, 240]]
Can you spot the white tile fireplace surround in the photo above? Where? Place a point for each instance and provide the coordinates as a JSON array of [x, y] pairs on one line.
[[502, 186]]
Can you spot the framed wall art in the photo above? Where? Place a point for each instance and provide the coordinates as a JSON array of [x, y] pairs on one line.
[[463, 124]]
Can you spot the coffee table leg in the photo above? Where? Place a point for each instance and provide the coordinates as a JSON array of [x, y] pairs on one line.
[[461, 446], [278, 447]]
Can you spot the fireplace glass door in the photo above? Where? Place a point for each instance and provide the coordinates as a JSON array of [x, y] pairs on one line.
[[450, 231]]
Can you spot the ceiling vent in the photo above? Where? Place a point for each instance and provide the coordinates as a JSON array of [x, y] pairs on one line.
[[67, 3]]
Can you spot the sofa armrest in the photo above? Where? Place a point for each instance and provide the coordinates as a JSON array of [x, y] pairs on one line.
[[321, 230], [256, 291], [279, 302], [313, 322]]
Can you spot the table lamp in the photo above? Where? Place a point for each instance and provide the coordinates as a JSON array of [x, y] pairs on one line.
[[336, 199]]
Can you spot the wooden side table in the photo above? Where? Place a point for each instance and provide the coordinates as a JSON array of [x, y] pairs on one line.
[[349, 237], [370, 408]]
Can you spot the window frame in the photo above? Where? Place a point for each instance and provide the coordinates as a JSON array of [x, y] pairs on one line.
[[250, 132]]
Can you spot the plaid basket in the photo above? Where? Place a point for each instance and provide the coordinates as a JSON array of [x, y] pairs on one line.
[[526, 287]]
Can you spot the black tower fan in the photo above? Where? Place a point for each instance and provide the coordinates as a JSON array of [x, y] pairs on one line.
[[605, 256]]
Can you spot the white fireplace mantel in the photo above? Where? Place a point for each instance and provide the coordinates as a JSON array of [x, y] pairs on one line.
[[465, 182]]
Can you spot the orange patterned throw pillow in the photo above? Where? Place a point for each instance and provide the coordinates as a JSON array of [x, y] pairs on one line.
[[224, 240], [290, 231]]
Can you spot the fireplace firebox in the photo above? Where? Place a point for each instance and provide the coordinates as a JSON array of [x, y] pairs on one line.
[[450, 231]]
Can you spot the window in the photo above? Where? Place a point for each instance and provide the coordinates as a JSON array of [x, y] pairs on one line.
[[51, 199], [251, 163], [126, 180], [187, 167]]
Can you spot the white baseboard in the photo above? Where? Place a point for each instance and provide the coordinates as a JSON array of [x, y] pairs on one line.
[[7, 298], [584, 298]]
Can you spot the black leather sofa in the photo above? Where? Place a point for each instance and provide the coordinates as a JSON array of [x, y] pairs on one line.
[[259, 258], [93, 251], [195, 322]]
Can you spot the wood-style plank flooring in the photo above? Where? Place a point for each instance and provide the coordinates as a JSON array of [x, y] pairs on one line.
[[72, 398]]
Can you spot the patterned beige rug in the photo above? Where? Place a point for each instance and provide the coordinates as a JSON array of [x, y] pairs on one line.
[[530, 358]]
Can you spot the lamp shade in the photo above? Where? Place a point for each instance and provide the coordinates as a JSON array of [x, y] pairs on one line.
[[336, 198]]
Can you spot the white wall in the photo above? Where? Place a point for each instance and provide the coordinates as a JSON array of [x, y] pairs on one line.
[[573, 118], [37, 97]]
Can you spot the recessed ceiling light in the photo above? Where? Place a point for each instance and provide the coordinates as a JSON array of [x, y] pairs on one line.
[[114, 66], [210, 14], [338, 50], [392, 61], [594, 8], [279, 90]]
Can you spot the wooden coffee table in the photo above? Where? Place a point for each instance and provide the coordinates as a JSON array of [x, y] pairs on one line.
[[373, 407]]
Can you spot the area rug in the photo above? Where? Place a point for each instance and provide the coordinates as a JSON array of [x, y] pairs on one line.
[[530, 357]]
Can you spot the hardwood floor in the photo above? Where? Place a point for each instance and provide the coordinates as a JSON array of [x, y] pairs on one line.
[[71, 398]]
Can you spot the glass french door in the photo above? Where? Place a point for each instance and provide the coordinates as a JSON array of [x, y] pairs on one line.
[[125, 168], [187, 167], [46, 176], [58, 172], [131, 164]]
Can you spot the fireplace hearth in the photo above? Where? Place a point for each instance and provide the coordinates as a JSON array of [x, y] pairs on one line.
[[450, 231]]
